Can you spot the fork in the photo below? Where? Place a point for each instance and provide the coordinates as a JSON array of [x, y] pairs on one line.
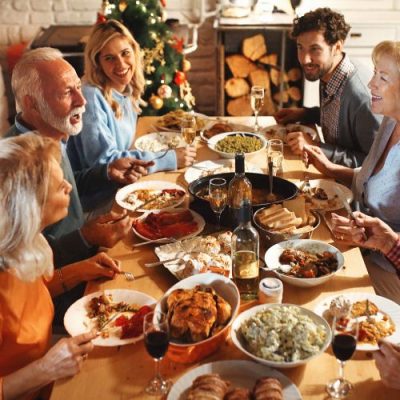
[[160, 240], [127, 275]]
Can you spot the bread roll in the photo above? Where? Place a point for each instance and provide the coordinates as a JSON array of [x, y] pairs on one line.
[[208, 387], [298, 206], [268, 388]]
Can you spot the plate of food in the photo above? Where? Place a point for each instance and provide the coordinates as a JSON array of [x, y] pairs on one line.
[[220, 378], [117, 314], [172, 121], [150, 196], [210, 253], [259, 333], [228, 143], [304, 262], [378, 317], [159, 141], [322, 194], [177, 223], [280, 131], [215, 127], [212, 167]]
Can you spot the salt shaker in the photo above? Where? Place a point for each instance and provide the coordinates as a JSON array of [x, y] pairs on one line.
[[270, 290]]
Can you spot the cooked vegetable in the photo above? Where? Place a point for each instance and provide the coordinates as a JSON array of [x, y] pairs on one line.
[[238, 143]]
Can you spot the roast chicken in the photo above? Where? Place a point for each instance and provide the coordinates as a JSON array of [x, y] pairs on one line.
[[196, 314]]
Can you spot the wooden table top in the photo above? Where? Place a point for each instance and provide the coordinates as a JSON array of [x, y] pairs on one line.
[[121, 373]]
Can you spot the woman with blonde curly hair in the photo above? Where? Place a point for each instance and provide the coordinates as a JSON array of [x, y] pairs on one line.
[[113, 84], [33, 195]]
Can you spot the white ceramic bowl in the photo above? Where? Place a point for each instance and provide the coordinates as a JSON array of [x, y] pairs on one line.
[[160, 141], [240, 343], [215, 139], [192, 352], [273, 253]]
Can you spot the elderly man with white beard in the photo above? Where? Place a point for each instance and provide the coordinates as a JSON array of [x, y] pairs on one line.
[[48, 95]]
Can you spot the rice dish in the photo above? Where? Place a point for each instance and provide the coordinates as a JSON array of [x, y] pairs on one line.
[[283, 334]]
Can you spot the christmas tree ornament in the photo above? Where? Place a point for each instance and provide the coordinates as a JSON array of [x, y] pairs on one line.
[[186, 65], [179, 77], [185, 92], [164, 91], [122, 5], [163, 3], [156, 102]]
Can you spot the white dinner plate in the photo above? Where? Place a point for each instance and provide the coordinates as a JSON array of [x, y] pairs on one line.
[[151, 185], [329, 187], [196, 217], [385, 305], [240, 373], [280, 131], [76, 320], [215, 139], [159, 141], [159, 125], [212, 167]]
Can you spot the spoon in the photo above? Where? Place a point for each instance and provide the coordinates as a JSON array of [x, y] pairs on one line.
[[270, 196]]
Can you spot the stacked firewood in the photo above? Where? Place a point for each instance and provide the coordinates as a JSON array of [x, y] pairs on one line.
[[256, 67]]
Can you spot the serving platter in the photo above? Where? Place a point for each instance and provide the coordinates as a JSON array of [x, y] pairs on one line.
[[156, 186], [385, 305], [240, 373], [240, 342], [197, 218], [171, 121], [314, 246], [77, 321], [205, 136], [159, 141], [212, 167]]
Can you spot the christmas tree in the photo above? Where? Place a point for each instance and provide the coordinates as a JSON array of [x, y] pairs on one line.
[[167, 88]]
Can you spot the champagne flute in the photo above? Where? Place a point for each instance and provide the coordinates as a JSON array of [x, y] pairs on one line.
[[275, 153], [344, 342], [218, 194], [256, 101], [156, 339], [188, 128]]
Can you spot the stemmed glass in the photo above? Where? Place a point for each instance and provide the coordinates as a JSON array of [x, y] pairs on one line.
[[188, 128], [344, 342], [256, 101], [275, 153], [218, 193], [156, 339]]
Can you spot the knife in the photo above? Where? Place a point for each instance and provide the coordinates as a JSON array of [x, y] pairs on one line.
[[347, 207]]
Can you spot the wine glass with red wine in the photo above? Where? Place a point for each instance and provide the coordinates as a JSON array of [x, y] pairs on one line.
[[156, 339], [344, 343]]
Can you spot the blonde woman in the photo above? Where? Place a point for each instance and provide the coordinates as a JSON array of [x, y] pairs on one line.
[[33, 194], [113, 84], [376, 185]]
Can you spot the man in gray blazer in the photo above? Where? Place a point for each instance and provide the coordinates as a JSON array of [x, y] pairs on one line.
[[348, 125]]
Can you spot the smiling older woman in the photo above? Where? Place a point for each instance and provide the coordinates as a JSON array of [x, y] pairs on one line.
[[376, 184], [33, 194]]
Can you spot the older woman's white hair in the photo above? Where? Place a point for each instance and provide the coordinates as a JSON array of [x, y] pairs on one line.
[[25, 164]]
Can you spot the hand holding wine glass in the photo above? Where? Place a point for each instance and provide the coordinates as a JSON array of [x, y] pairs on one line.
[[344, 342], [218, 194], [156, 338], [256, 101]]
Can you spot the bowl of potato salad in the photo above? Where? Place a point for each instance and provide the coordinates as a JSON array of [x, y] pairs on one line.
[[280, 335]]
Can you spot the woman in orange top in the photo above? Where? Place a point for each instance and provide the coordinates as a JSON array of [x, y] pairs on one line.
[[33, 195]]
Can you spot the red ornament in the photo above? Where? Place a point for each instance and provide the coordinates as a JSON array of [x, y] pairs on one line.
[[100, 18], [163, 3], [177, 44], [179, 77]]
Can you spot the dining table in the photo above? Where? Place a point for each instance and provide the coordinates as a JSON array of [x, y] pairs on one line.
[[122, 372]]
